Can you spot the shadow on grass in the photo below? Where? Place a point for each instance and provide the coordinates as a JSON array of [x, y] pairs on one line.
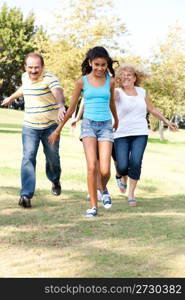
[[154, 204], [148, 189], [5, 125], [158, 141], [10, 126], [4, 129], [73, 204], [42, 198], [10, 131], [58, 223]]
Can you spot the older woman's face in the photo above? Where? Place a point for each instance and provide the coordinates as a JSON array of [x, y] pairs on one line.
[[128, 79]]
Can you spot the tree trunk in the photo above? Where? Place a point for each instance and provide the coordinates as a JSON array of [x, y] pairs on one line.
[[161, 130]]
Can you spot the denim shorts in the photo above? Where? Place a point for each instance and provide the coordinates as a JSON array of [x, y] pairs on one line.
[[101, 130]]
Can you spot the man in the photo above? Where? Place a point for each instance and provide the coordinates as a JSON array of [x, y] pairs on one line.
[[44, 100]]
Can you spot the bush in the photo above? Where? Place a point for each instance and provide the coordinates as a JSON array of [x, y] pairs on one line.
[[18, 104], [153, 123]]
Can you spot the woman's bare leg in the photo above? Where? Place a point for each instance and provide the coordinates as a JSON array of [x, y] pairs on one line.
[[105, 150], [90, 149]]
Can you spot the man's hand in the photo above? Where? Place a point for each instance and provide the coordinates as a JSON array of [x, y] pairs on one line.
[[61, 113], [53, 138], [7, 101]]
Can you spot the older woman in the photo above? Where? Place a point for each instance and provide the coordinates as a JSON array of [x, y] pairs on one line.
[[130, 138]]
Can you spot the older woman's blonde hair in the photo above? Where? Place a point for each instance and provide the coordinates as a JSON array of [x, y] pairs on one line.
[[135, 70]]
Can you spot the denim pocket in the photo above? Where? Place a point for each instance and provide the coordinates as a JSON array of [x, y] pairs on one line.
[[86, 124]]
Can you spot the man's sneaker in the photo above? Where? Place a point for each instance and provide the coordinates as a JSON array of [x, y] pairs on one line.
[[106, 200], [56, 189], [99, 196], [122, 186], [91, 212], [25, 202]]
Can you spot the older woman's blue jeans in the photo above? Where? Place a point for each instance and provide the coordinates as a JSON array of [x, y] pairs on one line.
[[129, 152], [31, 139]]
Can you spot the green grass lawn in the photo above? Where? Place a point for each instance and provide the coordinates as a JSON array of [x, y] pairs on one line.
[[53, 239]]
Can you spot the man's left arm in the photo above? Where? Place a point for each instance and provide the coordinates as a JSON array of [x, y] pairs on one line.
[[60, 100]]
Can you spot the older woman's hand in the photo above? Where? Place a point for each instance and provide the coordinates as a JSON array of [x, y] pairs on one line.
[[172, 126]]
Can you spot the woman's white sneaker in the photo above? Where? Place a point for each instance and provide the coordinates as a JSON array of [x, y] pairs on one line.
[[91, 212], [106, 200]]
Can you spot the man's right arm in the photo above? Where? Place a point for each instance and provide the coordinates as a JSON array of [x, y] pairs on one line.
[[7, 101]]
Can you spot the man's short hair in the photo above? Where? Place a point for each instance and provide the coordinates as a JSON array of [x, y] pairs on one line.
[[34, 55]]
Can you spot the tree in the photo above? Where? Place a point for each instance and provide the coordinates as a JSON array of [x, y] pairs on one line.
[[16, 40], [167, 81], [85, 23], [81, 29]]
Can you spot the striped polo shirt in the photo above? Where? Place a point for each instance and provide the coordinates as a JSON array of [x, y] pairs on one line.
[[41, 109]]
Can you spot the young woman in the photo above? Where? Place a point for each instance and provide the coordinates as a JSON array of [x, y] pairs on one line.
[[97, 89], [130, 138], [73, 124], [121, 182]]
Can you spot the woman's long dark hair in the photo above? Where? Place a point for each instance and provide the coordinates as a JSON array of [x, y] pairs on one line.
[[97, 52]]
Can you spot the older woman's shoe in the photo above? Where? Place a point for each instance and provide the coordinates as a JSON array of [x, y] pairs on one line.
[[132, 202]]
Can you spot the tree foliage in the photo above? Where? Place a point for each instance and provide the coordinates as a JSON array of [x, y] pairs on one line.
[[83, 24], [167, 81], [16, 40]]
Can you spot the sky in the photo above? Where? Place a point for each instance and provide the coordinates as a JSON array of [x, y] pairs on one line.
[[147, 21]]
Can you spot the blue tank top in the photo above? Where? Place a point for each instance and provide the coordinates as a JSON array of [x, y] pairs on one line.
[[97, 101]]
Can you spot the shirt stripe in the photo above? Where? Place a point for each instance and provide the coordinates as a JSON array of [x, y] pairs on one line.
[[39, 112], [35, 95], [30, 107], [40, 107], [39, 122]]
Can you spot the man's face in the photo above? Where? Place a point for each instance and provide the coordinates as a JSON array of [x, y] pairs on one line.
[[33, 67]]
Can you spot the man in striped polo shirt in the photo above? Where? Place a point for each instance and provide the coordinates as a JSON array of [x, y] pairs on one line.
[[44, 105]]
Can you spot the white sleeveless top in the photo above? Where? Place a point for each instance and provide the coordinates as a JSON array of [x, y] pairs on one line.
[[131, 112]]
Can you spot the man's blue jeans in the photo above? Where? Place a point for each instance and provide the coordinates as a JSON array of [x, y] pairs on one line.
[[129, 152], [31, 139]]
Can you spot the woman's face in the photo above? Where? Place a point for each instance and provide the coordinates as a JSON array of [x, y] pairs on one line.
[[128, 79], [99, 66]]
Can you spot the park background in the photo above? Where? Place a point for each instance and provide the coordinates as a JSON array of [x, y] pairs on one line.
[[53, 239]]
